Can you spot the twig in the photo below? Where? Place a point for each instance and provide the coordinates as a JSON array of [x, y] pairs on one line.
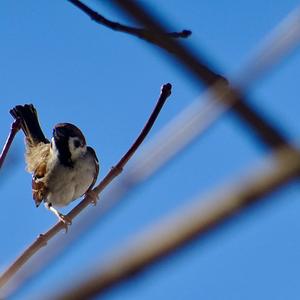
[[141, 33], [42, 240], [184, 226], [15, 127], [264, 130], [195, 120]]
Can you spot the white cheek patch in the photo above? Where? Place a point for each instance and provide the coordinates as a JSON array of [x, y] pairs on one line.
[[76, 151]]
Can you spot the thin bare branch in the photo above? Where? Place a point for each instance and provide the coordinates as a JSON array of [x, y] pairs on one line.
[[42, 240], [264, 130], [15, 127], [195, 120], [141, 33], [187, 224]]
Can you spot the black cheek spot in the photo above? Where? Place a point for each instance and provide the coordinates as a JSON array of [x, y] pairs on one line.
[[77, 143]]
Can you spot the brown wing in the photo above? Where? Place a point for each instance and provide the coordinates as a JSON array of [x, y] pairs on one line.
[[39, 188], [92, 151]]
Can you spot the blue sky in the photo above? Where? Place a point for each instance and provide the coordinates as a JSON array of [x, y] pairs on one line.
[[74, 70]]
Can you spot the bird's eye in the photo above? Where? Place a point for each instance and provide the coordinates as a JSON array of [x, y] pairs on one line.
[[77, 143]]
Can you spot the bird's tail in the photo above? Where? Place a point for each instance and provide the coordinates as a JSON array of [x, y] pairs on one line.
[[29, 123]]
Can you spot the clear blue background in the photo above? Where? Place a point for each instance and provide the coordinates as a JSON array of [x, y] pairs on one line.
[[73, 70]]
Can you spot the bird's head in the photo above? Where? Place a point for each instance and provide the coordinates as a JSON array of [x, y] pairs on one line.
[[69, 142]]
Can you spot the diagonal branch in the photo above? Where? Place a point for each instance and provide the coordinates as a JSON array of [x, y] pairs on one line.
[[141, 33], [15, 127], [267, 133], [42, 240], [184, 226]]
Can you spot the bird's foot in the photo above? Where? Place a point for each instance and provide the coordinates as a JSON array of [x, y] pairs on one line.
[[94, 197], [66, 221]]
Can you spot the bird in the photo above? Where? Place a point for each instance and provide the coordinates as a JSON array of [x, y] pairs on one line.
[[63, 169]]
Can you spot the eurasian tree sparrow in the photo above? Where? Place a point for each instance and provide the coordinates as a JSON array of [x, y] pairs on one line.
[[63, 169]]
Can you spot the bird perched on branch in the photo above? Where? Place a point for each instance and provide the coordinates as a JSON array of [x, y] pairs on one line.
[[63, 169]]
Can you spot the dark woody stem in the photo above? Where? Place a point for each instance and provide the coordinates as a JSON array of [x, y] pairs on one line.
[[15, 127]]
